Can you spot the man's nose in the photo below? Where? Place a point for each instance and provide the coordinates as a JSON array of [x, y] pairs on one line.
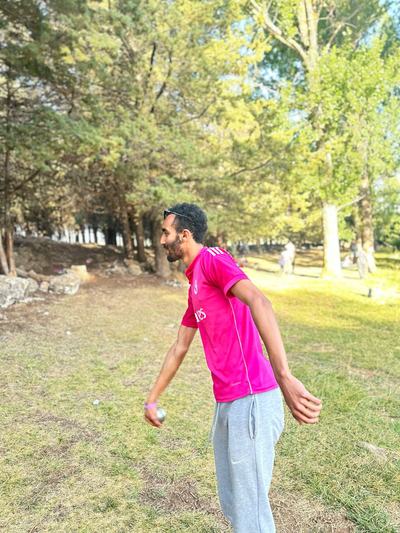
[[162, 240]]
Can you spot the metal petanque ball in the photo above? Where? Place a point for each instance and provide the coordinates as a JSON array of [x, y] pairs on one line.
[[161, 414]]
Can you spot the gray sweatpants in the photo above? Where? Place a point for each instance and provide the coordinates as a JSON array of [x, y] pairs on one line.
[[246, 431]]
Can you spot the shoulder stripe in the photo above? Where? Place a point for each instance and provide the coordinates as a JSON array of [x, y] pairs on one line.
[[217, 251]]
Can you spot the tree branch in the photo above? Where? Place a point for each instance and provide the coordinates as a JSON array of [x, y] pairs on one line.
[[277, 33], [27, 180], [249, 169], [196, 117], [342, 24], [352, 202], [163, 86]]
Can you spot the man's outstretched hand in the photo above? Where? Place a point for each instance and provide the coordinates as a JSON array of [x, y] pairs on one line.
[[150, 415], [304, 406]]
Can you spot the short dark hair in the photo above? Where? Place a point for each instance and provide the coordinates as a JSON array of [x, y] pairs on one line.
[[191, 217]]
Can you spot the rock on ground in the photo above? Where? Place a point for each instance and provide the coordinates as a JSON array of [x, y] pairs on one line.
[[44, 286], [33, 285], [65, 284], [134, 270], [12, 290], [80, 271]]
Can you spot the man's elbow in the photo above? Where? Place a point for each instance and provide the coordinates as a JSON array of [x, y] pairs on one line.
[[180, 351], [259, 300]]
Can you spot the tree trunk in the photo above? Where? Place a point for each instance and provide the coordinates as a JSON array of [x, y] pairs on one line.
[[110, 236], [95, 230], [32, 274], [76, 235], [83, 234], [163, 269], [66, 233], [10, 250], [332, 267], [9, 242], [124, 219], [3, 257], [137, 220], [367, 225]]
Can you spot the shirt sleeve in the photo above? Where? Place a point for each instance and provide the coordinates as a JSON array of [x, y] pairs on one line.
[[224, 273], [189, 319]]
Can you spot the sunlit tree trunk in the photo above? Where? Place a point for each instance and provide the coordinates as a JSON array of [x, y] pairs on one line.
[[3, 258], [367, 225], [332, 267], [66, 233]]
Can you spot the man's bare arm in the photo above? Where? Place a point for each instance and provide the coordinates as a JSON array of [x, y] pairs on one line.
[[172, 362], [304, 406]]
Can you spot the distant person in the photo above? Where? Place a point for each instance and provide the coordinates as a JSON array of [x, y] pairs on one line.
[[281, 262], [291, 249], [347, 262], [231, 315], [353, 250], [286, 260]]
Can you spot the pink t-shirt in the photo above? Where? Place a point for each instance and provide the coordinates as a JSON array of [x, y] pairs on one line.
[[230, 338]]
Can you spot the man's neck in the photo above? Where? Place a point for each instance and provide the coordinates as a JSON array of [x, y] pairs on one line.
[[191, 253]]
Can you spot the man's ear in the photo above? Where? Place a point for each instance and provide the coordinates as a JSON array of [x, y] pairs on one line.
[[185, 235]]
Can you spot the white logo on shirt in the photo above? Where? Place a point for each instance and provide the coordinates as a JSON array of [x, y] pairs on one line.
[[200, 315], [195, 286]]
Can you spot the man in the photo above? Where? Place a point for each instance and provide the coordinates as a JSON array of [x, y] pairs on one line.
[[290, 248], [232, 314], [353, 250]]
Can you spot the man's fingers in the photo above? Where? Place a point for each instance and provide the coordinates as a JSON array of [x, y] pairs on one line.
[[302, 418], [312, 398], [305, 414], [155, 423], [311, 406]]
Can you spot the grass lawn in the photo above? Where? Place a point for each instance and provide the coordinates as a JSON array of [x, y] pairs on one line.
[[68, 465]]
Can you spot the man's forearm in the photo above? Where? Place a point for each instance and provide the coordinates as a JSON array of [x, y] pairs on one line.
[[172, 362], [264, 319]]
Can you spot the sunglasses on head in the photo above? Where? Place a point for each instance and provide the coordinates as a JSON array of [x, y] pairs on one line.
[[168, 212]]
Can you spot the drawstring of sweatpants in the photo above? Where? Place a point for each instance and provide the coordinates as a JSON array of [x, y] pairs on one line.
[[215, 419], [214, 423]]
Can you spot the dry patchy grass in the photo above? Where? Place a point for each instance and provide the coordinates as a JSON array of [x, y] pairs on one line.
[[69, 466]]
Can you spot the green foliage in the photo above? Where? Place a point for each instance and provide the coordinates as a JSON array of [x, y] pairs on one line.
[[197, 101]]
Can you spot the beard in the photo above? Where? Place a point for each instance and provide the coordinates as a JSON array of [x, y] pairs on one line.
[[174, 250]]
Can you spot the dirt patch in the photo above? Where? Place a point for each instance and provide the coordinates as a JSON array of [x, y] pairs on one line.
[[175, 495], [48, 420], [294, 514]]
